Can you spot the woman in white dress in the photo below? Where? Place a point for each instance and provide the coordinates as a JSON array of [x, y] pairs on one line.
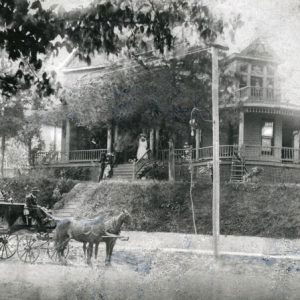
[[142, 148]]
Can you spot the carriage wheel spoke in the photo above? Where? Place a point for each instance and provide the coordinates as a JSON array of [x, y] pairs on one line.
[[23, 254], [2, 250], [6, 251], [1, 246]]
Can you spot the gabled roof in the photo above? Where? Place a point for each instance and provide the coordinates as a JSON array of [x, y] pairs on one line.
[[257, 50], [99, 60]]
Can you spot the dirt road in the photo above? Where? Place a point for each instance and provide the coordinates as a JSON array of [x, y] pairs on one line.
[[156, 274]]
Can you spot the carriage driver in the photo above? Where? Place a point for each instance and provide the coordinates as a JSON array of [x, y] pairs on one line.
[[32, 208]]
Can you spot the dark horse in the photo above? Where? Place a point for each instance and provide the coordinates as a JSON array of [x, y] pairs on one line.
[[92, 232]]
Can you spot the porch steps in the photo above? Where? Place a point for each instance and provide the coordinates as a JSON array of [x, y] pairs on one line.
[[73, 199], [238, 170], [123, 171]]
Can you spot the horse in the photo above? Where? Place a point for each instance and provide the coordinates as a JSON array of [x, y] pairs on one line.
[[92, 231]]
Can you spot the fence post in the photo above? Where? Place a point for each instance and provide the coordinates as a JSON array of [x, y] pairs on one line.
[[171, 161]]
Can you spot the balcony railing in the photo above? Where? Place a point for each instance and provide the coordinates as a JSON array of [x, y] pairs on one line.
[[258, 94]]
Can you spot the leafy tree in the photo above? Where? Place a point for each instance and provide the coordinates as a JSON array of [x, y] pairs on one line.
[[11, 118], [155, 95], [31, 129], [29, 31]]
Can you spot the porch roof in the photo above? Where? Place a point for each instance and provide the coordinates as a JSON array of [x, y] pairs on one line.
[[266, 108]]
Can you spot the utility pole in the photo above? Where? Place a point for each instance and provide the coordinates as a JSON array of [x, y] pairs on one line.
[[216, 146]]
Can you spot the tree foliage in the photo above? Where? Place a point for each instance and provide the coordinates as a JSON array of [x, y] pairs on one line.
[[27, 31], [153, 95]]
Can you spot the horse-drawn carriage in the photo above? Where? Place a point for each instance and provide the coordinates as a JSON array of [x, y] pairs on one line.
[[26, 230]]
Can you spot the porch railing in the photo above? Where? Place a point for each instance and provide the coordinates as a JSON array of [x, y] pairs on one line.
[[251, 152], [205, 153], [86, 155], [53, 157], [284, 154]]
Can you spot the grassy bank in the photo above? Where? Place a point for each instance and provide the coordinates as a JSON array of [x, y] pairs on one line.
[[258, 210]]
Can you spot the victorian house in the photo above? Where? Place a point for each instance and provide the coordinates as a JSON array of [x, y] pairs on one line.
[[267, 133]]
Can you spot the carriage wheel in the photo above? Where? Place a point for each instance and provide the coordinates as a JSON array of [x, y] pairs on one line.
[[8, 245], [52, 252], [28, 249]]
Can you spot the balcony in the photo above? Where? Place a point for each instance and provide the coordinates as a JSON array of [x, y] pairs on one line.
[[251, 94]]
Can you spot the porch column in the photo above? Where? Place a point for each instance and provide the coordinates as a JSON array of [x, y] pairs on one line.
[[198, 141], [265, 85], [67, 144], [278, 138], [157, 142], [241, 128], [116, 134], [63, 137], [296, 134], [109, 139], [152, 142], [249, 80]]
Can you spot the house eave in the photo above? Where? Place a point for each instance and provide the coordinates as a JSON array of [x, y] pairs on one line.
[[278, 109]]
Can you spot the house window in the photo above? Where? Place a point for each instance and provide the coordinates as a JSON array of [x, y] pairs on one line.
[[243, 68], [270, 70], [257, 69], [270, 88], [256, 87], [243, 81], [267, 137]]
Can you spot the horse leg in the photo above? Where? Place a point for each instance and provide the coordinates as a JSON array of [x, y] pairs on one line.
[[60, 246], [110, 243], [96, 250], [84, 249], [89, 253]]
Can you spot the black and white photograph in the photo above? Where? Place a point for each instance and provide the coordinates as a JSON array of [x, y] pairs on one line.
[[149, 150]]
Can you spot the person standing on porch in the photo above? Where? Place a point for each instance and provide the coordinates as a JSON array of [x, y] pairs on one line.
[[142, 148]]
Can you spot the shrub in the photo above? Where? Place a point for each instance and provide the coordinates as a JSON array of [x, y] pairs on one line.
[[155, 171], [74, 173], [17, 188]]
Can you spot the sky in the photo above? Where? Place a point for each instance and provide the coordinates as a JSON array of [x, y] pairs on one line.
[[277, 21]]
